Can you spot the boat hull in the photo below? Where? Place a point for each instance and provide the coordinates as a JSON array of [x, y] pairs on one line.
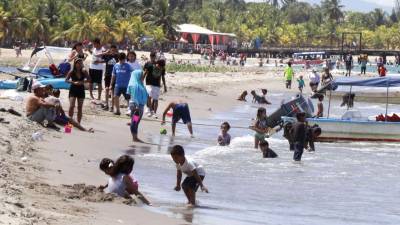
[[353, 130]]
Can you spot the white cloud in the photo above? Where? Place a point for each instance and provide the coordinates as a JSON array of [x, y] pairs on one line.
[[387, 3]]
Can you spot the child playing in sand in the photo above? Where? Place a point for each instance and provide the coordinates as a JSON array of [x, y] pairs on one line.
[[266, 151], [301, 83], [224, 139], [195, 174], [121, 179]]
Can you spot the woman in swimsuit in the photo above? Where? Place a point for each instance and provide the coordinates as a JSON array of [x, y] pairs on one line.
[[77, 52], [77, 78]]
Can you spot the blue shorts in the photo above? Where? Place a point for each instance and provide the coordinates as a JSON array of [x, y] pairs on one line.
[[181, 111], [118, 91], [62, 120]]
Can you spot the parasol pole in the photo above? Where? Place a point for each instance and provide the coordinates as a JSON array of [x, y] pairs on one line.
[[387, 101]]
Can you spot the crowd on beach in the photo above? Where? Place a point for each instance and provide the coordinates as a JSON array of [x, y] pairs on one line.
[[141, 83]]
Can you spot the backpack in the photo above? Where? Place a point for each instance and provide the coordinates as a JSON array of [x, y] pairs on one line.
[[22, 84]]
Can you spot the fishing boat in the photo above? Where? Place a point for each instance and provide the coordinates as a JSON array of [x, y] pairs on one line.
[[353, 126], [40, 56], [310, 58]]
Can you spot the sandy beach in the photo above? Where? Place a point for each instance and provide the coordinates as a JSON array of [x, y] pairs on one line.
[[54, 180]]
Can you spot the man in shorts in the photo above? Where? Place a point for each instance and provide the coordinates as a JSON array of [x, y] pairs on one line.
[[96, 68], [110, 58], [180, 111], [121, 76], [154, 71]]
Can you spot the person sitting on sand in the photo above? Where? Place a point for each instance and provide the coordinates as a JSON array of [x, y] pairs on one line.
[[38, 110], [242, 97], [195, 174], [61, 118], [266, 151], [180, 111], [224, 139], [121, 181], [138, 100]]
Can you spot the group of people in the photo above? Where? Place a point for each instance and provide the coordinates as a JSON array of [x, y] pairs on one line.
[[123, 183]]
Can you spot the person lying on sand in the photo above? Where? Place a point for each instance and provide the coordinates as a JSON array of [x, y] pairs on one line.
[[61, 118], [38, 110], [259, 99], [121, 181], [242, 97], [180, 111], [195, 174]]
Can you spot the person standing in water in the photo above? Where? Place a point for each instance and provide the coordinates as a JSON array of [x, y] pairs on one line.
[[224, 139], [289, 74], [299, 136], [349, 64], [180, 111], [195, 174], [138, 100], [320, 106]]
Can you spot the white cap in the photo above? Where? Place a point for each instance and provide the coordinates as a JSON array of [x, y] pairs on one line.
[[37, 85]]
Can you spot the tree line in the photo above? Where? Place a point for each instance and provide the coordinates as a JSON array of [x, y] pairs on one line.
[[272, 22]]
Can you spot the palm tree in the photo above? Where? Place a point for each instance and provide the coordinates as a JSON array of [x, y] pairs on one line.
[[283, 3], [160, 15], [333, 9]]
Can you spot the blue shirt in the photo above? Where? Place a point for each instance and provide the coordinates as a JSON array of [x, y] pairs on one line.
[[122, 73]]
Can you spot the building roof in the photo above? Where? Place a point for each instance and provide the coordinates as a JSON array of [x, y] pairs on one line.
[[193, 28]]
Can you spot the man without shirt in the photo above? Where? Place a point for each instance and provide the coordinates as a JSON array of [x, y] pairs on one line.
[[37, 109]]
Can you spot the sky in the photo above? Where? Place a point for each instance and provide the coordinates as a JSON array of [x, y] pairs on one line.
[[358, 5]]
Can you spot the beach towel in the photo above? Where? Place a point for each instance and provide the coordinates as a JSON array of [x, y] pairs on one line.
[[136, 88]]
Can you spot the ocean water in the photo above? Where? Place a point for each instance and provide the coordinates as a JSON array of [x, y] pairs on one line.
[[341, 183]]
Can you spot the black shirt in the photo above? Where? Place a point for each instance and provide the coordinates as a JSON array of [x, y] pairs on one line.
[[154, 74], [110, 61], [299, 132], [269, 154]]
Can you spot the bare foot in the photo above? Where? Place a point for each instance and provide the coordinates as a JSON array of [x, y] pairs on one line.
[[91, 130], [137, 140]]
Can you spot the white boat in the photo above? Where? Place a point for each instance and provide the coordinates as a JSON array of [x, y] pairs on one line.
[[352, 126]]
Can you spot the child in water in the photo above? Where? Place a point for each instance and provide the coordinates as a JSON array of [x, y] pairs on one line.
[[224, 139], [121, 179], [266, 151], [195, 174], [260, 127]]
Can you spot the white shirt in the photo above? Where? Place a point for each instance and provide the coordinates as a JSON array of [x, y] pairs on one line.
[[314, 77], [188, 166], [135, 65], [116, 185], [98, 66]]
